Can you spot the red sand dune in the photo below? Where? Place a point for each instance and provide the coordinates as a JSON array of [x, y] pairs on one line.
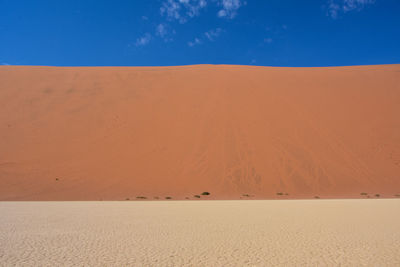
[[113, 133]]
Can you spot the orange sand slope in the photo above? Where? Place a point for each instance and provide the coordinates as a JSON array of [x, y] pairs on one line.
[[113, 133]]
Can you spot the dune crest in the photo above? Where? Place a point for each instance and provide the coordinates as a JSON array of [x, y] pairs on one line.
[[111, 133]]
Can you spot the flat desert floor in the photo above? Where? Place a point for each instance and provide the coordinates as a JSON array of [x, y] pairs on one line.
[[201, 233]]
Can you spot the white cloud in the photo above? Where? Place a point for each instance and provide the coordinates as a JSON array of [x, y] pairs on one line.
[[229, 8], [144, 40], [182, 10], [210, 35], [171, 9], [161, 30], [349, 5], [196, 41], [194, 7], [268, 40], [213, 34], [335, 7]]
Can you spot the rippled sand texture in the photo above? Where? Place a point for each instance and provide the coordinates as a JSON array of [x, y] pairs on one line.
[[111, 133], [201, 233]]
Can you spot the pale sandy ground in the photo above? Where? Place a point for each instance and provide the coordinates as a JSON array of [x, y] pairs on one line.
[[201, 233]]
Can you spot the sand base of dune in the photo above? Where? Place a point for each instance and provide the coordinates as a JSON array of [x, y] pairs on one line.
[[201, 233]]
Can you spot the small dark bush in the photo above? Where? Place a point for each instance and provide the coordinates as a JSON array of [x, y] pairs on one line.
[[317, 197], [286, 194], [205, 193], [127, 198], [398, 195], [280, 194], [196, 196], [377, 195], [186, 197], [56, 179], [140, 197], [363, 194], [246, 195], [168, 197]]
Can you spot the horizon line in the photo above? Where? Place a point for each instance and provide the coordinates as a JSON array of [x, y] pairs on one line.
[[195, 65]]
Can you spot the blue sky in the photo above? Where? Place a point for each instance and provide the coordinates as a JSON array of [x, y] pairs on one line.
[[181, 32]]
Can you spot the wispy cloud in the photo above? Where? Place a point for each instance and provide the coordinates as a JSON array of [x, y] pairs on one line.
[[196, 41], [171, 9], [274, 33], [210, 35], [336, 7], [144, 40], [229, 8], [182, 10], [333, 9], [268, 40], [213, 34], [161, 30], [349, 5]]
